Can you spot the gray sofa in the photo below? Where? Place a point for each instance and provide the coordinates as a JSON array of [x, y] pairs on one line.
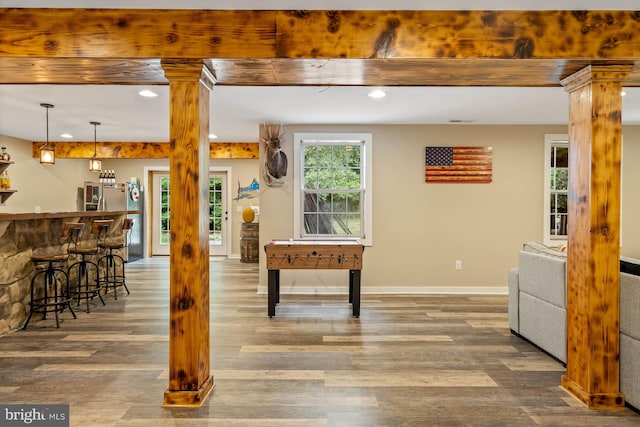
[[537, 309]]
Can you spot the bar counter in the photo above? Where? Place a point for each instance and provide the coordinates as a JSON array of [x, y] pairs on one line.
[[21, 234], [48, 215]]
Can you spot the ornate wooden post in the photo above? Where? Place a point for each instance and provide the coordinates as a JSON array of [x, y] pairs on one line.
[[593, 263], [190, 379]]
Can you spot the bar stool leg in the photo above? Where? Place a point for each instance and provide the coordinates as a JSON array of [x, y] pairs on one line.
[[114, 275], [85, 290], [58, 302]]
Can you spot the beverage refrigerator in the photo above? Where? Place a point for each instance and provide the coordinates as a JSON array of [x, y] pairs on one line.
[[126, 196]]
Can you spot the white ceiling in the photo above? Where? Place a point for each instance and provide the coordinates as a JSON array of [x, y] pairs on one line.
[[237, 111]]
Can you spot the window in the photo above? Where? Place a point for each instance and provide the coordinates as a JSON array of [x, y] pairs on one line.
[[332, 178], [556, 187]]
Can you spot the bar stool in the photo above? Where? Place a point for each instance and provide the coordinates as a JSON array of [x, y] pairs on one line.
[[112, 264], [88, 288], [56, 295]]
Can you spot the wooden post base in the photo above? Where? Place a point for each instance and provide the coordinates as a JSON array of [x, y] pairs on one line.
[[593, 400], [188, 398]]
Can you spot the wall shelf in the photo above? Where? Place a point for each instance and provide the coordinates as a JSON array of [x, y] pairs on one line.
[[5, 194]]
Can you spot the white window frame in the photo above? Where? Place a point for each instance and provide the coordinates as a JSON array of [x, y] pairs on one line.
[[549, 141], [366, 170]]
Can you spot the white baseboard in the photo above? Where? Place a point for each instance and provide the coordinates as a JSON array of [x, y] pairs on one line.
[[408, 290]]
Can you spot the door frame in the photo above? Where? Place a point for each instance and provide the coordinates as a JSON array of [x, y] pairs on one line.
[[148, 211]]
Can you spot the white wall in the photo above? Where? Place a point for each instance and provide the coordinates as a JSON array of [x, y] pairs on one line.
[[420, 230]]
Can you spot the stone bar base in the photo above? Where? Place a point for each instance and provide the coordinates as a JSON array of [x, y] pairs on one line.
[[23, 234]]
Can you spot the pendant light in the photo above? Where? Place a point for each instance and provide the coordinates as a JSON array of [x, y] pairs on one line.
[[95, 164], [47, 152]]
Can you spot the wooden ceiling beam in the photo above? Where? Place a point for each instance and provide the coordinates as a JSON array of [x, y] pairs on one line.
[[143, 150], [307, 72], [136, 33], [200, 34], [458, 48]]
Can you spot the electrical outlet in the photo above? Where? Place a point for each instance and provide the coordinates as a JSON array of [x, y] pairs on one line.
[[458, 264]]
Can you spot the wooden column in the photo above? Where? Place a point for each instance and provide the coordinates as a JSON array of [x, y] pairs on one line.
[[593, 261], [190, 379]]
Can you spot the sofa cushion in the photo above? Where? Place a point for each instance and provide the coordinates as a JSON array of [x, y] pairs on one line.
[[630, 369], [630, 305], [544, 325], [539, 248], [544, 276]]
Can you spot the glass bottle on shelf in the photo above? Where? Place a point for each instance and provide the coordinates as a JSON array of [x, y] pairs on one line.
[[5, 181], [4, 155]]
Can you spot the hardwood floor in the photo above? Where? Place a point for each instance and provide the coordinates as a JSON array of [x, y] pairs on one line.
[[410, 360]]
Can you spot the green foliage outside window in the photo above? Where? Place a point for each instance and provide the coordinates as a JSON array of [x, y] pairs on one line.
[[332, 185]]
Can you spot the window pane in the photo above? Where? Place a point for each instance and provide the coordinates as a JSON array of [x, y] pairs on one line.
[[310, 224], [353, 156], [325, 224], [354, 221], [558, 225], [310, 155], [324, 202], [339, 178], [339, 156], [560, 156], [353, 203], [558, 218], [558, 203], [324, 156], [310, 178], [353, 178], [310, 202], [339, 202]]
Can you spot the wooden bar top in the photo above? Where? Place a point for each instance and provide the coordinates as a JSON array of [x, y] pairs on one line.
[[71, 214]]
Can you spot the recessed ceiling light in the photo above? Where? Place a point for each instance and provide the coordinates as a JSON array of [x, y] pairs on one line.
[[213, 136], [623, 93], [66, 136], [147, 93], [377, 93]]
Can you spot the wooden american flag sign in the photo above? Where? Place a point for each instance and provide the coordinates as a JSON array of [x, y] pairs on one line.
[[459, 164]]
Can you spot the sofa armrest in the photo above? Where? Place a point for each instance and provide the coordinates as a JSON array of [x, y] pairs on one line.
[[514, 300]]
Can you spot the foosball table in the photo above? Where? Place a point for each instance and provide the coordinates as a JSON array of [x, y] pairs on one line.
[[313, 255]]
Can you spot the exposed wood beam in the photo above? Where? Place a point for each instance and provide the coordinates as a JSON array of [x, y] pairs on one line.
[[455, 34], [146, 33], [144, 150], [300, 72], [316, 47], [137, 33]]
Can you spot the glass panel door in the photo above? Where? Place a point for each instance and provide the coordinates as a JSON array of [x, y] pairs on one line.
[[218, 214]]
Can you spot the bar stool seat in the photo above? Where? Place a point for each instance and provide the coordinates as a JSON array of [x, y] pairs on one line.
[[51, 294], [112, 263], [89, 284]]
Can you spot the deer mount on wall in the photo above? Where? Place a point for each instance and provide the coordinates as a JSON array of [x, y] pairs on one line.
[[275, 160]]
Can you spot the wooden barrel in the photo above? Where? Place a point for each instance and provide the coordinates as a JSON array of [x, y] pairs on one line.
[[249, 242]]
